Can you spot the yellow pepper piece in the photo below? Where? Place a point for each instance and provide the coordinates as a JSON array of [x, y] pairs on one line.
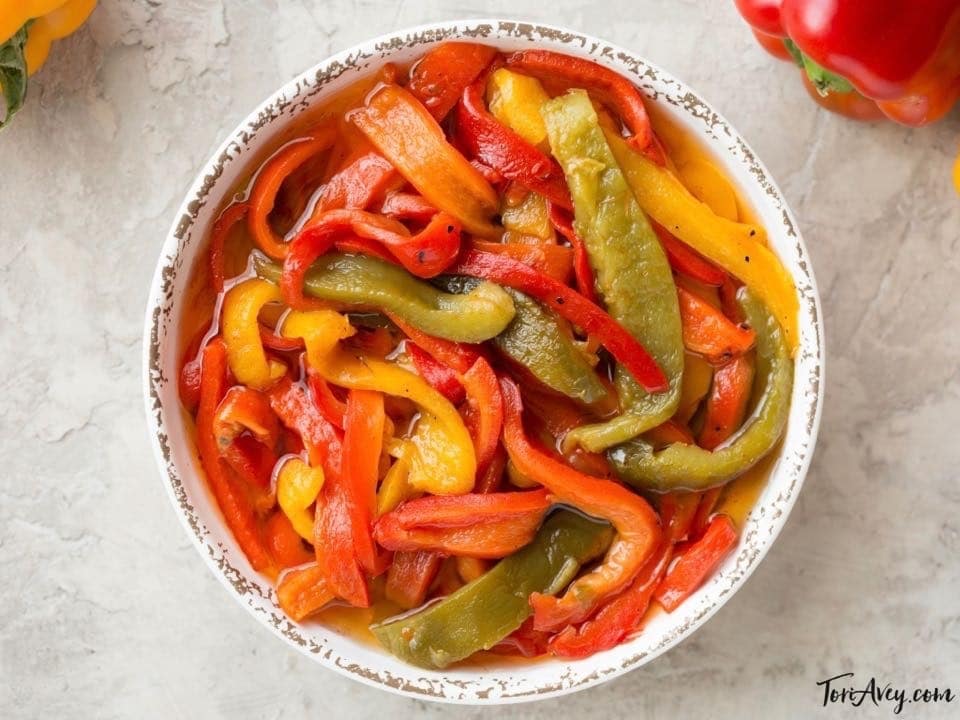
[[738, 248], [54, 25], [515, 100], [697, 377], [956, 174], [531, 216], [394, 488], [298, 485], [708, 185], [445, 462], [15, 13], [241, 333]]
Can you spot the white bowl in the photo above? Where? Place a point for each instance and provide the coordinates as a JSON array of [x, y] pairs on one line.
[[179, 467]]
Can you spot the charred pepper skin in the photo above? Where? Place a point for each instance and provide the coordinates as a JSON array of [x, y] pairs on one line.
[[689, 467], [483, 612], [633, 276]]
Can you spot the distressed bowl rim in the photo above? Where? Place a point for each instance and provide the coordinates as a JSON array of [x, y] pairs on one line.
[[483, 688]]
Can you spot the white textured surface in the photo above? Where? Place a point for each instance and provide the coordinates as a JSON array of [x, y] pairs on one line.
[[105, 609]]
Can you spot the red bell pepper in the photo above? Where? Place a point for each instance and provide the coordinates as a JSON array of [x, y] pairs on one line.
[[298, 412], [637, 525], [277, 343], [303, 591], [489, 480], [571, 305], [362, 178], [697, 563], [903, 55], [555, 261], [232, 500], [701, 519], [677, 511], [494, 144], [441, 377], [285, 545], [218, 237], [727, 401], [410, 576], [407, 206], [188, 382], [484, 410], [333, 408], [688, 261], [708, 332], [252, 461], [458, 356], [439, 77], [487, 526], [609, 85], [581, 260], [618, 618], [524, 641]]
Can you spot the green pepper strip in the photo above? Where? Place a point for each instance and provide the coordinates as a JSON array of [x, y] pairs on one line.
[[360, 281], [483, 612], [542, 342], [631, 269], [688, 467]]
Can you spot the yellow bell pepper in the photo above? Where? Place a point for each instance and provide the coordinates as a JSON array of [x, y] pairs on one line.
[[54, 25], [241, 333], [298, 485], [708, 185], [738, 248], [697, 376], [445, 462], [394, 488], [515, 100]]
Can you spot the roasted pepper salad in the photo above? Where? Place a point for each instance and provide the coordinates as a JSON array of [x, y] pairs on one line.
[[27, 29], [475, 353]]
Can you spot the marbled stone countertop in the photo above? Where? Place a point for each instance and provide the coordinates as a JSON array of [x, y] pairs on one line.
[[106, 610]]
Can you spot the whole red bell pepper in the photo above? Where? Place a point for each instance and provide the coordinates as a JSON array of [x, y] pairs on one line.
[[902, 54]]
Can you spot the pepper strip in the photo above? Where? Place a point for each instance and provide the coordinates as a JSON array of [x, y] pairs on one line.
[[613, 87], [303, 591], [218, 236], [298, 485], [439, 77], [269, 179], [736, 247], [241, 333], [447, 443], [688, 467], [410, 577], [581, 261], [727, 402], [362, 444], [355, 186], [496, 145], [407, 206], [232, 501], [440, 377], [244, 409], [410, 138], [364, 282], [697, 563], [571, 305], [637, 525], [687, 261], [708, 332], [285, 545], [555, 261]]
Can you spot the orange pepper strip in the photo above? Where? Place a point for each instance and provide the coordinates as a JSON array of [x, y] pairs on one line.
[[708, 332], [303, 591], [697, 563], [485, 410], [332, 408], [410, 576], [407, 206], [439, 78], [362, 445], [231, 499], [270, 178], [410, 138], [557, 261], [637, 525], [727, 402], [286, 546], [357, 184]]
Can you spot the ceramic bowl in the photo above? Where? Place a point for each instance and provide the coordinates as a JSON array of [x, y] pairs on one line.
[[174, 449]]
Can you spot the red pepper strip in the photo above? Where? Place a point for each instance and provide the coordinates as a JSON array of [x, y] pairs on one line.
[[332, 408], [489, 480], [622, 94], [581, 261], [728, 300], [251, 460], [285, 545], [440, 376], [278, 343], [244, 409], [489, 174], [333, 538], [355, 186], [410, 576], [618, 618], [485, 410], [637, 525], [218, 237], [687, 261], [708, 332], [553, 260], [425, 254], [708, 500], [524, 641], [303, 591], [441, 75], [727, 402], [298, 412], [496, 145], [399, 126], [459, 356], [231, 499], [571, 305], [188, 382], [677, 511], [362, 246], [697, 563], [407, 206], [271, 177], [478, 526]]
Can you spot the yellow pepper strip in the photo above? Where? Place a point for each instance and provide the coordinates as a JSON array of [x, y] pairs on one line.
[[241, 333], [394, 488], [738, 248], [15, 13], [298, 485], [530, 216], [515, 100], [445, 462], [697, 377], [708, 185], [56, 24]]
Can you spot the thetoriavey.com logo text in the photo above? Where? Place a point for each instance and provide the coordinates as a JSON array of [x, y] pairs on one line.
[[845, 689]]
